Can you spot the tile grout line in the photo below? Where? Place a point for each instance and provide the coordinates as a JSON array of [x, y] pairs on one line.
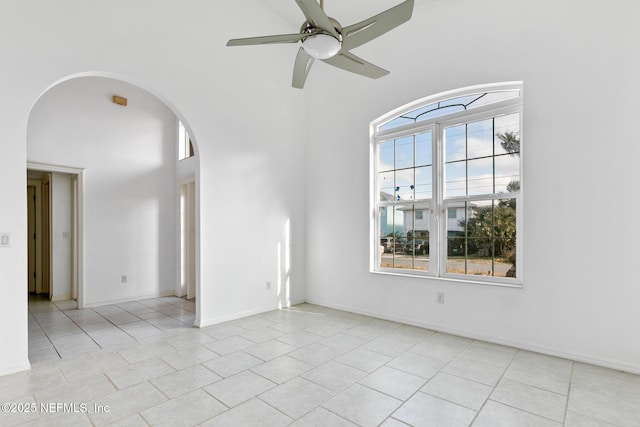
[[566, 405], [45, 334], [493, 389]]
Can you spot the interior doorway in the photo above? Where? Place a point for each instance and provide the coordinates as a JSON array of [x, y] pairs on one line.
[[38, 226], [53, 209], [32, 272], [188, 240]]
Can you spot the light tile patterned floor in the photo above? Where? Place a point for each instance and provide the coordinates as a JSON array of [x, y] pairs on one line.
[[304, 366]]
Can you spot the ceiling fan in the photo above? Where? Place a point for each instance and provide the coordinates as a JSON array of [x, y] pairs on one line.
[[325, 39]]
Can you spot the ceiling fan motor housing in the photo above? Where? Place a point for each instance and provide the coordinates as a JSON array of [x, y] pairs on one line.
[[320, 43]]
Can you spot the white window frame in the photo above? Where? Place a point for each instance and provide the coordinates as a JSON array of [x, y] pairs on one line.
[[438, 212], [185, 147]]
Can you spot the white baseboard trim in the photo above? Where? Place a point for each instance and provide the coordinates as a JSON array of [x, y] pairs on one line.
[[130, 299], [235, 316], [26, 366], [61, 298], [577, 357]]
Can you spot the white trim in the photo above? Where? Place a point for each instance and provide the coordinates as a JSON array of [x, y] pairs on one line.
[[22, 367], [234, 316], [130, 299]]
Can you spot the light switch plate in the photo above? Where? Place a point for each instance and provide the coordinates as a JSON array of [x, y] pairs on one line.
[[5, 240]]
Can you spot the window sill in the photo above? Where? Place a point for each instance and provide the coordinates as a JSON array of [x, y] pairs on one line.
[[504, 284]]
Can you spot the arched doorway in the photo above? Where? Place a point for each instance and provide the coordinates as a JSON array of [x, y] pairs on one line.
[[129, 197]]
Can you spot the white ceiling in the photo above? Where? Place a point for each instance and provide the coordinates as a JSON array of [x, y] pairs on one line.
[[346, 12]]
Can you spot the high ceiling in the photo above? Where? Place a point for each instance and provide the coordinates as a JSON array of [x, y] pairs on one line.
[[346, 12]]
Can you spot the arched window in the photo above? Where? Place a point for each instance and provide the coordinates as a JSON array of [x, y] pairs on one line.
[[185, 147], [446, 182]]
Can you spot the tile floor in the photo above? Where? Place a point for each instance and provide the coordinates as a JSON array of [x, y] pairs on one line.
[[140, 364]]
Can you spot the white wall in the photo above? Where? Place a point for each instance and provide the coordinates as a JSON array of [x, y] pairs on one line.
[[580, 295], [247, 123], [61, 223], [128, 155], [577, 63]]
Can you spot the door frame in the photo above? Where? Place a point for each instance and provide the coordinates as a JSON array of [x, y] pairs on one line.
[[77, 251], [187, 281]]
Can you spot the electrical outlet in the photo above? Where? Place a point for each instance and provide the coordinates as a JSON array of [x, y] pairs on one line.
[[124, 278], [440, 297], [268, 285], [5, 240]]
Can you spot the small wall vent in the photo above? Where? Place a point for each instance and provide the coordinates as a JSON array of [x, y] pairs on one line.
[[119, 100]]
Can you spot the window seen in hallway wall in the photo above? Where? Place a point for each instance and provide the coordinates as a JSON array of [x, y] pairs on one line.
[[447, 186], [185, 148]]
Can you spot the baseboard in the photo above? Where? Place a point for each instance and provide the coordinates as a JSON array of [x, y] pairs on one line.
[[16, 368], [577, 357], [234, 316], [61, 298], [130, 299]]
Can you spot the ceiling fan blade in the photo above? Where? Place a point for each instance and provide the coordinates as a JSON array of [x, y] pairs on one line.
[[316, 16], [349, 62], [283, 38], [301, 68], [358, 34]]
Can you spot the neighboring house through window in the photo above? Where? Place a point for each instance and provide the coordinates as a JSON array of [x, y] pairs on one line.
[[447, 182]]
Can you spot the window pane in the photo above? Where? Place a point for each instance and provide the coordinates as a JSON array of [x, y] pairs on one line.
[[456, 215], [404, 184], [415, 252], [455, 143], [462, 100], [392, 235], [493, 97], [385, 156], [507, 134], [385, 215], [480, 177], [441, 111], [421, 111], [386, 186], [404, 238], [423, 149], [507, 174], [404, 152], [182, 141], [399, 121], [486, 243], [423, 186], [480, 139], [456, 179]]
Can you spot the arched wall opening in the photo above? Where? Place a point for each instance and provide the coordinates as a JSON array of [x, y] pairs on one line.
[[128, 197]]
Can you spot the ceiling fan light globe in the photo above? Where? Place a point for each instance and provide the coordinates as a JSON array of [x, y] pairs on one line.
[[321, 46]]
